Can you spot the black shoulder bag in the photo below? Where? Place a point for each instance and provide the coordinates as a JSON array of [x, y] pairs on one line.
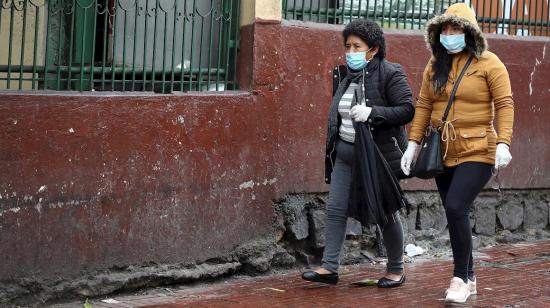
[[429, 163]]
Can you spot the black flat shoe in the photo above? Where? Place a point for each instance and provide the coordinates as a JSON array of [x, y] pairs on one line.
[[388, 283], [313, 276]]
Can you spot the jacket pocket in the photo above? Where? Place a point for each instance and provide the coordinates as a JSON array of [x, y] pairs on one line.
[[472, 140]]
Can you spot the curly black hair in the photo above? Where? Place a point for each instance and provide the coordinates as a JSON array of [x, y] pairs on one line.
[[368, 31]]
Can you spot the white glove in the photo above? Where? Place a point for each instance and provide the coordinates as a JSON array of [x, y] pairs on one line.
[[503, 156], [360, 113], [408, 157]]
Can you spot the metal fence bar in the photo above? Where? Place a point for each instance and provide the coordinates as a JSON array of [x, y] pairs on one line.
[[419, 23], [199, 78], [134, 48], [412, 13], [516, 18], [60, 44], [547, 14], [536, 16], [47, 54], [503, 17], [383, 12], [529, 14], [184, 22], [154, 62], [106, 18], [145, 40], [522, 16], [398, 12], [227, 37], [124, 36], [390, 13], [71, 36], [92, 64], [319, 13], [172, 74], [235, 46], [498, 16], [193, 14], [490, 15], [327, 7], [164, 51], [512, 3], [35, 48], [212, 13], [429, 12], [22, 57], [220, 34], [82, 53], [10, 40]]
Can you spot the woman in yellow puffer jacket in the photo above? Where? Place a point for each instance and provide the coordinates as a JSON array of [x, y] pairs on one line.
[[471, 146]]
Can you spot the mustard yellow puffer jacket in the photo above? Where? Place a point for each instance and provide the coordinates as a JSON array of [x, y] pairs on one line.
[[483, 95]]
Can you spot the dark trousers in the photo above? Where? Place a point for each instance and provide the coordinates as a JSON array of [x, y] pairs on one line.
[[458, 188], [336, 221]]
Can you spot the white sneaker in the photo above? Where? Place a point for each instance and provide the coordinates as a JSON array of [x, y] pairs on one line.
[[473, 286], [458, 291]]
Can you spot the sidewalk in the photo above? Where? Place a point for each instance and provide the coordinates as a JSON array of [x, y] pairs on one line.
[[508, 276]]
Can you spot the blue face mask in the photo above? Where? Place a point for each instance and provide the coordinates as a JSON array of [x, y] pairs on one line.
[[357, 60], [453, 43]]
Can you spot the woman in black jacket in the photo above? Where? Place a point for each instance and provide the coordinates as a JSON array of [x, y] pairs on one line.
[[374, 92]]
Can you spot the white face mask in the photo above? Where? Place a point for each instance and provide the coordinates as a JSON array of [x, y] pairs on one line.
[[357, 60], [453, 43]]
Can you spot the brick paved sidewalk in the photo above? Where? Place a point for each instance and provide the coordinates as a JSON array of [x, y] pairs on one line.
[[508, 276]]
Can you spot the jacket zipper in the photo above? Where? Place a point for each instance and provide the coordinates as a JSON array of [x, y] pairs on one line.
[[397, 145]]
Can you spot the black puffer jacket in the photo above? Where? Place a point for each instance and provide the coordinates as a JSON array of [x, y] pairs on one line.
[[388, 92]]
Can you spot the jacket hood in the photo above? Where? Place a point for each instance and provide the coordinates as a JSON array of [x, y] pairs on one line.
[[459, 14]]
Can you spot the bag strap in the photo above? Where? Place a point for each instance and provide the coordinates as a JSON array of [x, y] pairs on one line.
[[452, 96]]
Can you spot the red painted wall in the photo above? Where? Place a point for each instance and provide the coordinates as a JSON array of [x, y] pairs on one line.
[[91, 181]]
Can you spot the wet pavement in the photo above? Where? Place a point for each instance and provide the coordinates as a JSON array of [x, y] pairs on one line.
[[508, 276]]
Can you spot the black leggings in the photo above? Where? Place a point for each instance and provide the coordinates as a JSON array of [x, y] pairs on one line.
[[458, 188]]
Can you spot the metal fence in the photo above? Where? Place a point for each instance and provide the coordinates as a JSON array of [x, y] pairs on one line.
[[513, 17], [119, 45]]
